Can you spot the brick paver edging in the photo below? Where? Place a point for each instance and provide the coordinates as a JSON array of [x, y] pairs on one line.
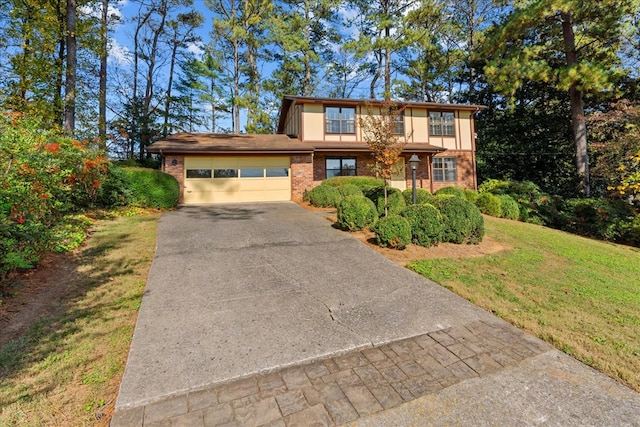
[[341, 389]]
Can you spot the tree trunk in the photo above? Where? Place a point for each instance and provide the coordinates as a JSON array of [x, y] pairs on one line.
[[167, 102], [577, 108], [102, 94], [70, 83]]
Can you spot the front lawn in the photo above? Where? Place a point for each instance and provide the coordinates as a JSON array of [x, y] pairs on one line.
[[581, 295]]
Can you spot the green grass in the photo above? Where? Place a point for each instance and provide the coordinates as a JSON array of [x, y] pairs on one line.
[[66, 369], [581, 295]]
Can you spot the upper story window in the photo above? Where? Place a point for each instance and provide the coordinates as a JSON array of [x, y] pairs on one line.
[[340, 120], [441, 123], [398, 121]]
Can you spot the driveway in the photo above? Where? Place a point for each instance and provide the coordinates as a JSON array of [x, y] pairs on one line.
[[237, 292]]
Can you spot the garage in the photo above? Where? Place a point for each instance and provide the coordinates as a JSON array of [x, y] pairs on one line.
[[233, 179]]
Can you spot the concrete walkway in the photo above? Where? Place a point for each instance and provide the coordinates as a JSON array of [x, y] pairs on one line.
[[266, 315]]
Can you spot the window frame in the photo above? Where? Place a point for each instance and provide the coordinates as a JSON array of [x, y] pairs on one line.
[[442, 172], [398, 123], [342, 168], [345, 126], [438, 126]]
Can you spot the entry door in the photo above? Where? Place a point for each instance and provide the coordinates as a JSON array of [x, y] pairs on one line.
[[399, 177]]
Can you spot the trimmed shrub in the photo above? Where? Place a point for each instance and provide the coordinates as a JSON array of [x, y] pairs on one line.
[[510, 208], [599, 218], [456, 191], [324, 196], [393, 231], [489, 204], [395, 200], [422, 196], [365, 183], [463, 222], [471, 196], [426, 224], [356, 212], [349, 190], [150, 188]]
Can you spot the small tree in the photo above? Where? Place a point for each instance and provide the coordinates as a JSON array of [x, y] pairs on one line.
[[385, 144]]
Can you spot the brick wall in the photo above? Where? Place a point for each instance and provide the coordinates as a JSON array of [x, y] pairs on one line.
[[301, 175], [465, 170], [174, 166]]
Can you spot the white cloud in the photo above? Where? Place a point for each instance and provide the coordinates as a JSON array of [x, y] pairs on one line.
[[195, 49], [118, 53]]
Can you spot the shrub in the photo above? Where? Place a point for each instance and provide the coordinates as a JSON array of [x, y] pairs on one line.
[[471, 196], [349, 190], [151, 188], [356, 212], [393, 231], [463, 222], [365, 183], [535, 206], [422, 196], [395, 200], [426, 224], [604, 219], [456, 191], [324, 196], [489, 204], [510, 208]]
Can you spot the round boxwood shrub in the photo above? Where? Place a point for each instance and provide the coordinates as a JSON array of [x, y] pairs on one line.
[[365, 183], [356, 212], [150, 188], [324, 196], [456, 191], [393, 231], [489, 204], [349, 190], [471, 196], [463, 222], [510, 208], [426, 224], [422, 196], [395, 200]]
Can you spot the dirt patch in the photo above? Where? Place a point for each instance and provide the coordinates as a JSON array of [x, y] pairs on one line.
[[33, 294], [414, 252]]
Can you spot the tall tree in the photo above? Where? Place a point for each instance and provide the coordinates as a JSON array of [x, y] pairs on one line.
[[568, 44], [71, 68]]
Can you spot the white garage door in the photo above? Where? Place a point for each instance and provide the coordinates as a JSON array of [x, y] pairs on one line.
[[230, 179]]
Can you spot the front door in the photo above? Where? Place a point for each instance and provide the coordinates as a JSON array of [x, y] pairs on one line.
[[399, 177]]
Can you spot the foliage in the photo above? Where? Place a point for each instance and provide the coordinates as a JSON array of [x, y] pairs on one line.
[[426, 224], [535, 206], [422, 196], [45, 178], [510, 208], [615, 133], [462, 219], [393, 203], [349, 190], [150, 188], [365, 183], [471, 195], [489, 204], [393, 231], [599, 218], [324, 196], [356, 213], [455, 191]]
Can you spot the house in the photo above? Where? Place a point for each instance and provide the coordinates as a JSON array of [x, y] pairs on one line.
[[318, 138]]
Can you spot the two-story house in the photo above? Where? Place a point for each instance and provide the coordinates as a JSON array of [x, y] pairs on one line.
[[318, 138]]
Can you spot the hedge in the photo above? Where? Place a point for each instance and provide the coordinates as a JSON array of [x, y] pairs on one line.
[[356, 213], [422, 196], [463, 220], [324, 196], [393, 231], [395, 200], [426, 224], [489, 204], [150, 188]]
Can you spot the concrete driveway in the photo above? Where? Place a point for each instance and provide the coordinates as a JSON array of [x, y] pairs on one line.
[[242, 291]]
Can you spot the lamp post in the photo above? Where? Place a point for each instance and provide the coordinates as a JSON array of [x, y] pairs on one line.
[[414, 161]]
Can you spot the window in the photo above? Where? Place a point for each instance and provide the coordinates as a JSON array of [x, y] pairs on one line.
[[251, 173], [225, 173], [198, 173], [277, 172], [340, 120], [398, 120], [341, 166], [441, 123], [444, 169]]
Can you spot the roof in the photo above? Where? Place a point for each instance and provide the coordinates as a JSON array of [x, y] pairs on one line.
[[289, 101], [229, 143]]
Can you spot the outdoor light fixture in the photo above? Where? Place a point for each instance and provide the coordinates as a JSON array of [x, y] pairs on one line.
[[174, 162], [414, 161]]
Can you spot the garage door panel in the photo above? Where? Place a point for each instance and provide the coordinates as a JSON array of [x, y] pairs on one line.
[[266, 179]]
